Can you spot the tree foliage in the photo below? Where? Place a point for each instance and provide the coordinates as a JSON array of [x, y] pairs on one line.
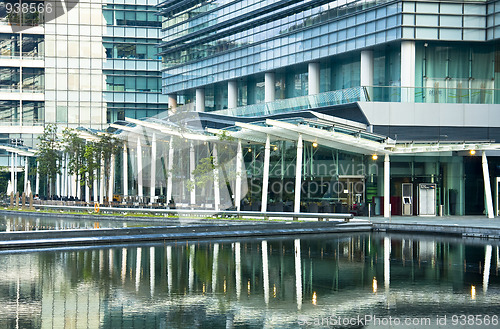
[[49, 155]]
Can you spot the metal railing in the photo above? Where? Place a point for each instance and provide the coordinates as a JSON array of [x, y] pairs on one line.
[[199, 213]]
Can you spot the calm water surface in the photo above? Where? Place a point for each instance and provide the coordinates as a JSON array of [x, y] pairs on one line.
[[297, 282]]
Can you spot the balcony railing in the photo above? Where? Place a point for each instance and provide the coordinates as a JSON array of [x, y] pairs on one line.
[[362, 94]]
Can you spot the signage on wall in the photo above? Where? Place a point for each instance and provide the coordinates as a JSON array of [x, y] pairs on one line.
[[22, 15]]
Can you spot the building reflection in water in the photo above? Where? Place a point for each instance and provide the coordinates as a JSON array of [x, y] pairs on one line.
[[187, 284]]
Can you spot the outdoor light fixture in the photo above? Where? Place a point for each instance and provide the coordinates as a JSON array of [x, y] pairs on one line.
[[275, 148], [249, 149], [315, 144], [472, 152], [374, 157]]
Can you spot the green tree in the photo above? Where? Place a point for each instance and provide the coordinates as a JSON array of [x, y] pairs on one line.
[[108, 146], [49, 156], [74, 147]]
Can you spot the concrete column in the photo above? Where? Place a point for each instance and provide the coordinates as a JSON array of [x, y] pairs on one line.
[[153, 169], [111, 186], [26, 174], [37, 179], [265, 178], [269, 87], [125, 170], [387, 187], [95, 186], [367, 72], [216, 180], [298, 174], [172, 101], [12, 175], [313, 78], [15, 173], [58, 181], [192, 166], [487, 187], [408, 71], [170, 165], [232, 94], [140, 190], [200, 100], [101, 186], [239, 163], [78, 186], [87, 190]]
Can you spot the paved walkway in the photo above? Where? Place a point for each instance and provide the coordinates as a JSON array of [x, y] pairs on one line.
[[467, 226]]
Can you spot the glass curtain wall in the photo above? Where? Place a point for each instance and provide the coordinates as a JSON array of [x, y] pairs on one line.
[[456, 73]]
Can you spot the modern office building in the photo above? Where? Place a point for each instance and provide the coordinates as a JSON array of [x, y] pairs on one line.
[[331, 87], [77, 64]]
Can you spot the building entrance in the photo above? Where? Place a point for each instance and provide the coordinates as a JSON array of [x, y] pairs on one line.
[[352, 192]]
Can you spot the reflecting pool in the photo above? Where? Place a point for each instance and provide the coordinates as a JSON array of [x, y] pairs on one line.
[[339, 281]]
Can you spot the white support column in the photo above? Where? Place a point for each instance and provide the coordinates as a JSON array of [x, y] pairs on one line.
[[95, 186], [37, 179], [170, 269], [66, 190], [26, 174], [408, 71], [15, 173], [265, 178], [269, 87], [78, 186], [298, 174], [140, 190], [487, 187], [192, 166], [58, 181], [200, 100], [101, 186], [111, 181], [232, 94], [216, 180], [125, 170], [313, 78], [366, 71], [387, 187], [169, 168], [153, 169], [12, 175], [87, 189], [172, 102], [239, 163]]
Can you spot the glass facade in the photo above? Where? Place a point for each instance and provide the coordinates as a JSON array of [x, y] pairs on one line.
[[132, 65]]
